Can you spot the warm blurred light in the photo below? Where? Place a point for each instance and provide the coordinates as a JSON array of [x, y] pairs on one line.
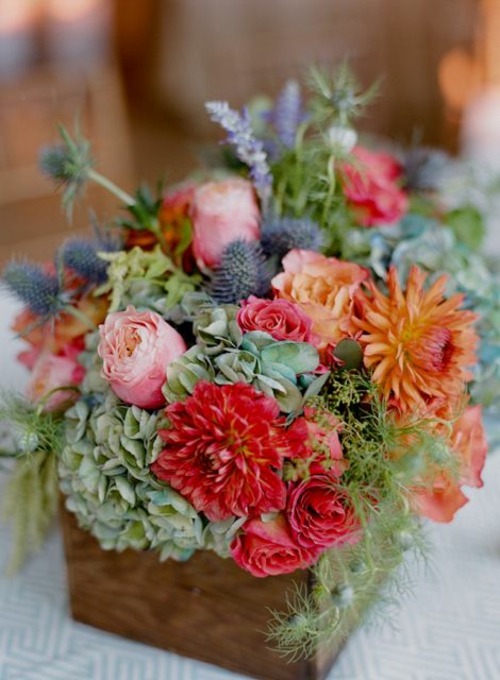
[[70, 10], [16, 14], [481, 128], [459, 78]]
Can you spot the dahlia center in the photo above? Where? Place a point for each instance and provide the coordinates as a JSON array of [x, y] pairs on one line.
[[432, 349]]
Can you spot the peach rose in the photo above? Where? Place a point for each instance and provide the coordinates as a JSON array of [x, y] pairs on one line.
[[222, 212], [54, 373], [324, 288], [136, 348]]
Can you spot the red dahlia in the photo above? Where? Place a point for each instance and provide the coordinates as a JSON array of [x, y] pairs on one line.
[[224, 451]]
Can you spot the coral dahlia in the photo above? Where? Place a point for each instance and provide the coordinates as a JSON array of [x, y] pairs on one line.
[[224, 451], [418, 343]]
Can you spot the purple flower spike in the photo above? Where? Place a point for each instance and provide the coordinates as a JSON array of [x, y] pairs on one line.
[[248, 148]]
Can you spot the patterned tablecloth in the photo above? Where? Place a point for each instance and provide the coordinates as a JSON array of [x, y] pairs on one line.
[[448, 628]]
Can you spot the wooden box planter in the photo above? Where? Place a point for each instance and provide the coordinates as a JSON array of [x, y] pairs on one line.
[[206, 608]]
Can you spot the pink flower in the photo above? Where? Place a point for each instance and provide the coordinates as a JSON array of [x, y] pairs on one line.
[[224, 451], [269, 549], [445, 496], [136, 348], [282, 319], [324, 288], [319, 513], [370, 186], [60, 372], [222, 212]]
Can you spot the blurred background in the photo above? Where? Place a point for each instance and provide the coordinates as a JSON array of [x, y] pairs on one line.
[[136, 74]]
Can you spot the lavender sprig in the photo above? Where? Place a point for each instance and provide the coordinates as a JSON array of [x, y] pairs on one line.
[[249, 150], [288, 113]]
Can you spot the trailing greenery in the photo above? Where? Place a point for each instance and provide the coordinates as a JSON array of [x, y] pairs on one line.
[[349, 580], [30, 501]]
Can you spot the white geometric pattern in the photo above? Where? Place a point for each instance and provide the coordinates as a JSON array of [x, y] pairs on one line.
[[448, 628]]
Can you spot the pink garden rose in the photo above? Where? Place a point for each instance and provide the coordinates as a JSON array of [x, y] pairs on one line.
[[269, 549], [319, 514], [445, 497], [282, 319], [324, 288], [222, 212], [136, 348], [370, 186], [56, 372]]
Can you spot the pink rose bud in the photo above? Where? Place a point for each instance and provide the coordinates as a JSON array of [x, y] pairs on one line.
[[222, 212], [53, 377], [136, 348]]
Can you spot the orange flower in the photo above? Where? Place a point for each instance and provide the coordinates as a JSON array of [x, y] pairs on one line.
[[324, 288], [419, 344], [54, 335]]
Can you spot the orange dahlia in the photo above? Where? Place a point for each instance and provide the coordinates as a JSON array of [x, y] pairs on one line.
[[419, 344]]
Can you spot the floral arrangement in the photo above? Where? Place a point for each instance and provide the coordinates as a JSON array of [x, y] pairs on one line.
[[276, 360]]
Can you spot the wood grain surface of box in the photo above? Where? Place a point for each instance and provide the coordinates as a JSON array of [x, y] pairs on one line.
[[206, 608]]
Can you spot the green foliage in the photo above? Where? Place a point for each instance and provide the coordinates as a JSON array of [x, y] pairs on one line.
[[30, 501], [150, 274], [468, 226], [30, 504], [351, 582]]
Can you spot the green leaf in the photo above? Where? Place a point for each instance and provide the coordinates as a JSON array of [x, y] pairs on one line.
[[301, 357], [468, 225], [350, 353], [316, 386], [125, 489]]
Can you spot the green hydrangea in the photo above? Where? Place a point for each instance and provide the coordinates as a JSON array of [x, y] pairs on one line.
[[104, 473], [225, 355]]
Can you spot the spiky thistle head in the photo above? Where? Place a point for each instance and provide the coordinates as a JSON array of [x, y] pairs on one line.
[[242, 272], [280, 235], [38, 289], [67, 164], [82, 257], [423, 168]]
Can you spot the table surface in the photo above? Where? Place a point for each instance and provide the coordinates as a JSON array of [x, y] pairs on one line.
[[447, 628]]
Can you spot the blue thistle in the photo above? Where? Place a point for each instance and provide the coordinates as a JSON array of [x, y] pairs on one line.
[[242, 272], [68, 164], [34, 287], [423, 168], [71, 166], [249, 150], [279, 235], [81, 256]]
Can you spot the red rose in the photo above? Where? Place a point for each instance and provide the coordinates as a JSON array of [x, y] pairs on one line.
[[320, 514], [282, 319], [370, 186], [224, 451], [269, 549]]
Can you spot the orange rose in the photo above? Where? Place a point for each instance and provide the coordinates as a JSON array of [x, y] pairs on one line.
[[324, 288], [468, 443]]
